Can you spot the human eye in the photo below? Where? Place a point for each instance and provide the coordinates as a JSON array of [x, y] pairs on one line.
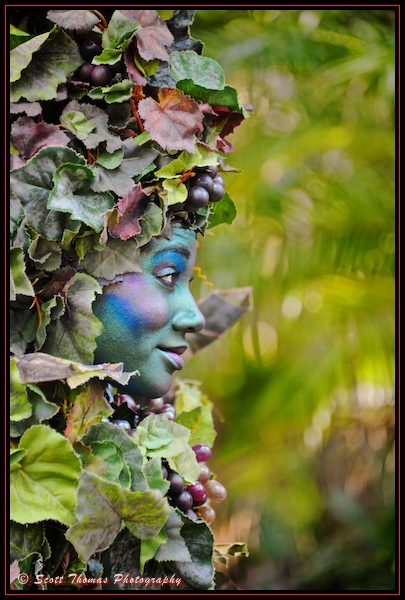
[[168, 276]]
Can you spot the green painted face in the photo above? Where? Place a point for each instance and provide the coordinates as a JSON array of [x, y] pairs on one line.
[[147, 315]]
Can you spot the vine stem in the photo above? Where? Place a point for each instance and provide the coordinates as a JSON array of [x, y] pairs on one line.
[[134, 111], [101, 17]]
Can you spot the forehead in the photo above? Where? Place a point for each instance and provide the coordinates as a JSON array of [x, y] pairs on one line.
[[182, 241]]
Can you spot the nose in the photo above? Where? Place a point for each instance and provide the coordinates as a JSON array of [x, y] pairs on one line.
[[188, 318]]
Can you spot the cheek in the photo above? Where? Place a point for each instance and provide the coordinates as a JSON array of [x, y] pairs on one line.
[[138, 306]]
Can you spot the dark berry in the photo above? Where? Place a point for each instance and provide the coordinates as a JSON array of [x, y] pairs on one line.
[[219, 179], [197, 198], [176, 483], [183, 501], [90, 48], [169, 410], [85, 71], [204, 181], [217, 192], [128, 400], [101, 75], [155, 405], [202, 452], [122, 423]]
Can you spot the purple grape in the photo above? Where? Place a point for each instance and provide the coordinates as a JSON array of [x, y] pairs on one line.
[[205, 473], [219, 179], [101, 75], [204, 181], [155, 405], [165, 472], [197, 198], [176, 483], [169, 410], [90, 48], [122, 423], [183, 501], [85, 71], [217, 192], [198, 493], [191, 515], [128, 400], [202, 452]]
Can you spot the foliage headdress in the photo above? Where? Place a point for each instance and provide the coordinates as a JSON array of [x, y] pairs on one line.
[[112, 121]]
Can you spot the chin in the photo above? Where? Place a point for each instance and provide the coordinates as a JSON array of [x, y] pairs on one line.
[[148, 389]]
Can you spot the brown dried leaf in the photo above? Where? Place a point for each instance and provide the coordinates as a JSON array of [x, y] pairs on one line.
[[173, 121], [131, 208], [153, 36]]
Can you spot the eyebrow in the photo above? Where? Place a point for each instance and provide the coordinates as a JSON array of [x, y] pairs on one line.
[[184, 251]]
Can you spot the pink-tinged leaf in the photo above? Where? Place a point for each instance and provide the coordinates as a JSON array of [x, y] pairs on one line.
[[29, 137], [134, 74], [173, 121], [153, 36], [131, 208]]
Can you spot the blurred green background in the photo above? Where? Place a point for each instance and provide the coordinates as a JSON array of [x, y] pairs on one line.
[[304, 383]]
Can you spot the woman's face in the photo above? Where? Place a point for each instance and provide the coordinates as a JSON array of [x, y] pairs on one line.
[[147, 315]]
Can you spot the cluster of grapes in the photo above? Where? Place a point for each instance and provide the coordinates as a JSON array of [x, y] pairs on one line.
[[95, 74], [193, 499], [206, 186]]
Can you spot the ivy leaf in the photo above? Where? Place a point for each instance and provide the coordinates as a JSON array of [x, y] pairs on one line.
[[179, 24], [29, 137], [19, 282], [189, 396], [89, 408], [42, 410], [97, 118], [49, 464], [104, 508], [199, 573], [176, 191], [153, 37], [131, 209], [154, 476], [72, 336], [31, 109], [25, 540], [223, 212], [118, 92], [81, 21], [46, 254], [56, 57], [117, 258], [111, 161], [119, 29], [175, 547], [33, 182], [173, 121], [201, 424], [40, 367], [21, 56], [130, 453], [20, 408], [221, 310], [149, 546], [200, 71], [77, 123], [151, 223], [72, 193], [16, 212]]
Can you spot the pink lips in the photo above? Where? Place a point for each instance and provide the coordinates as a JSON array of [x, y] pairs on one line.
[[174, 355]]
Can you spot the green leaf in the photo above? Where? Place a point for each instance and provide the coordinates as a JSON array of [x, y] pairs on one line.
[[105, 508], [128, 451], [109, 56], [18, 37], [25, 540], [49, 464], [118, 92], [176, 191], [21, 56], [199, 573], [223, 211], [110, 161], [151, 224], [72, 193], [53, 309], [149, 546], [153, 434], [33, 182], [47, 66], [119, 29], [40, 367], [115, 470], [19, 282], [16, 212], [89, 408], [200, 70], [99, 119], [46, 254], [117, 258], [42, 410], [201, 425], [78, 124], [20, 408], [154, 476], [72, 336], [189, 396], [175, 547]]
